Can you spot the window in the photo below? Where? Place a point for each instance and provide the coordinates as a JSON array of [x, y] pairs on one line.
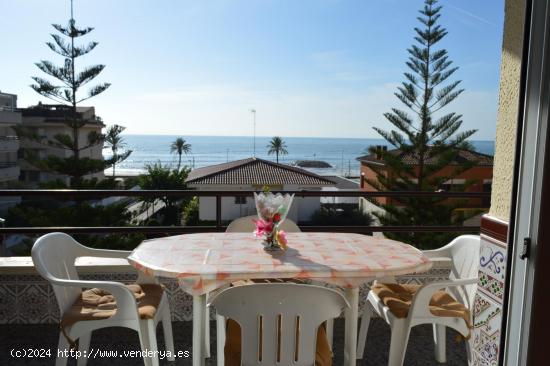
[[240, 200]]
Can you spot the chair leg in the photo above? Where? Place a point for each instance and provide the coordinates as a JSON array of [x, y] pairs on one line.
[[148, 340], [168, 336], [398, 344], [469, 354], [220, 339], [365, 321], [330, 332], [62, 351], [439, 343], [84, 348]]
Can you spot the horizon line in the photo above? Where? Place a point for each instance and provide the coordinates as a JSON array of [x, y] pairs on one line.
[[271, 136]]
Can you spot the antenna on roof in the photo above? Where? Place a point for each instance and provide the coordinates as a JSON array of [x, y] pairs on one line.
[[72, 10], [253, 111]]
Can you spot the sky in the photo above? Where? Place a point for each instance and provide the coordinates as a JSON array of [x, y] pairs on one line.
[[319, 68]]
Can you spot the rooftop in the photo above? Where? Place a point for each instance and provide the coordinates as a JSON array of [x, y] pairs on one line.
[[58, 112], [463, 157], [255, 171]]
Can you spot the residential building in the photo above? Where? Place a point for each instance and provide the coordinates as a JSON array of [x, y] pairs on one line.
[[48, 120], [9, 143], [254, 174], [479, 176], [341, 184]]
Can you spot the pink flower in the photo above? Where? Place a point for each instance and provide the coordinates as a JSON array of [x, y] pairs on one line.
[[263, 227]]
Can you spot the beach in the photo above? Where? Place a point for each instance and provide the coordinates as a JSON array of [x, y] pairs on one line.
[[340, 153]]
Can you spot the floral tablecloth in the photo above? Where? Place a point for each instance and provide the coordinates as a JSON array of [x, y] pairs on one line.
[[207, 261]]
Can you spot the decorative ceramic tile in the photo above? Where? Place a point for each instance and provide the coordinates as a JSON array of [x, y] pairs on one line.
[[492, 259], [492, 287], [486, 334], [29, 299]]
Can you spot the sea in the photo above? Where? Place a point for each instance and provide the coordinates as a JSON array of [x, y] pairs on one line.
[[340, 153]]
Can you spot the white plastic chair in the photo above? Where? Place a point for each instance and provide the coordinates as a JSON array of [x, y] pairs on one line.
[[246, 225], [463, 253], [54, 258], [274, 308]]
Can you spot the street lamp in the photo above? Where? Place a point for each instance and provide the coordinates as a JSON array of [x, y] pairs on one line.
[[253, 111]]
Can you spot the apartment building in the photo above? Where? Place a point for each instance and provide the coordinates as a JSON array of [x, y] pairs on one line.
[[9, 143], [48, 120]]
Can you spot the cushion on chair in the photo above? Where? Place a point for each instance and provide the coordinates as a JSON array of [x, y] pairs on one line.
[[232, 350], [398, 299], [97, 304]]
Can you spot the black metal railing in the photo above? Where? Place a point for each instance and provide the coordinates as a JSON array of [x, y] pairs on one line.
[[219, 194]]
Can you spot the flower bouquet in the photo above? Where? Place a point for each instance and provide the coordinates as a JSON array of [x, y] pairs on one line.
[[272, 210]]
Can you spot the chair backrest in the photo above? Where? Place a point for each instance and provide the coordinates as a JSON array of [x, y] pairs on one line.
[[279, 320], [54, 257], [246, 224], [464, 253]]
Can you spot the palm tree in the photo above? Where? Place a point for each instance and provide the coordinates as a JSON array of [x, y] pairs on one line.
[[180, 146], [115, 141], [277, 146]]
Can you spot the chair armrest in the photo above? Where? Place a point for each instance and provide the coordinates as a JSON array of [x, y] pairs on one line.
[[437, 253], [124, 297], [105, 253], [420, 306], [441, 262]]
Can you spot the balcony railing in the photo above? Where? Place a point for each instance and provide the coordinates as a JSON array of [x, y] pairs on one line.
[[219, 194], [8, 164]]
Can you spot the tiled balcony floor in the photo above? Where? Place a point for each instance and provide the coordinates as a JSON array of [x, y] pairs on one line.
[[420, 349]]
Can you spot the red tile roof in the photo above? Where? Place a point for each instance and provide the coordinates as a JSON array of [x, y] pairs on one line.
[[463, 157], [256, 172]]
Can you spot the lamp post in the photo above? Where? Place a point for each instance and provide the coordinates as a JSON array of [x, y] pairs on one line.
[[253, 111]]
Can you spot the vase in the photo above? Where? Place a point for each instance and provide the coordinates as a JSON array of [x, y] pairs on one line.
[[270, 242], [272, 210]]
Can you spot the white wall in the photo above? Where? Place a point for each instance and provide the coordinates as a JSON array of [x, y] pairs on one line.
[[301, 209]]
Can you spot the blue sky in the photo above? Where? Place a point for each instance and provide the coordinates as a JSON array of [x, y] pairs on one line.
[[309, 67]]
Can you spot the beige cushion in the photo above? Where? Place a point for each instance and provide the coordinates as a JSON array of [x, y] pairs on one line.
[[232, 350], [96, 304], [398, 299]]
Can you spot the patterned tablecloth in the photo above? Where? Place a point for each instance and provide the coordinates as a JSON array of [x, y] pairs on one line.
[[204, 262]]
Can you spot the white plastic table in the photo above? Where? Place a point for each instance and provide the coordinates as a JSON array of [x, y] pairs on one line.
[[207, 261]]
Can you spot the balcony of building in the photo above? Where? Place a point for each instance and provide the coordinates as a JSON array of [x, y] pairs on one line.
[[29, 314], [9, 116], [9, 144], [9, 171]]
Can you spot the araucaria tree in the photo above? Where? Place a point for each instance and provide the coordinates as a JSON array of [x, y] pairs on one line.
[[426, 139], [277, 146], [115, 141], [67, 90]]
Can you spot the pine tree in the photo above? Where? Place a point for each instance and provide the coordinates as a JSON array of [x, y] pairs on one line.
[[424, 135], [67, 91]]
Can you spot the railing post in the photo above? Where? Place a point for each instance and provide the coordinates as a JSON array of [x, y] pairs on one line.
[[218, 212]]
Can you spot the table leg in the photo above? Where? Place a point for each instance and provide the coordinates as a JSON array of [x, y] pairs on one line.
[[199, 304], [206, 335], [351, 314]]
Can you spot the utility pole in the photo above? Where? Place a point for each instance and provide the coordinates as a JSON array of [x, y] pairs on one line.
[[253, 111], [342, 162]]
